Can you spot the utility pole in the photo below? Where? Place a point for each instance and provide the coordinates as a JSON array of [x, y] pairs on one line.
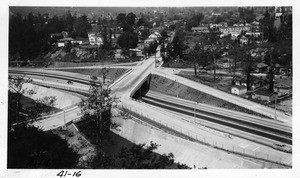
[[64, 118], [275, 106]]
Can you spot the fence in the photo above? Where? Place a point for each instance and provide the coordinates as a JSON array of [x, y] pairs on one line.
[[61, 87], [196, 137]]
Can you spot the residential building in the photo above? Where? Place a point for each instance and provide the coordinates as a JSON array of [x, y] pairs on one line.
[[80, 41], [283, 86], [239, 89], [265, 95], [62, 42], [200, 29], [244, 40], [233, 30], [261, 67], [95, 39]]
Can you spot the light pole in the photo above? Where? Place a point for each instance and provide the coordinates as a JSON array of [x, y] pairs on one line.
[[64, 118], [195, 110], [275, 106]]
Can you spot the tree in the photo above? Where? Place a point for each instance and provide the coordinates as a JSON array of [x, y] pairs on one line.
[[137, 157], [30, 147], [267, 27], [82, 26], [213, 49], [248, 63], [69, 21], [237, 52], [98, 103], [196, 55], [16, 91], [128, 40], [121, 19], [178, 44], [130, 20], [43, 105]]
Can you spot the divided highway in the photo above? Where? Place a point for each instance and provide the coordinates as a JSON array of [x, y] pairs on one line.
[[266, 128]]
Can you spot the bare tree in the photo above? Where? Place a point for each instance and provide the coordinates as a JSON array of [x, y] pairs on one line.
[[17, 91]]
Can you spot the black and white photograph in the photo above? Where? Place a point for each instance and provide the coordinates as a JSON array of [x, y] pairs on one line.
[[157, 87]]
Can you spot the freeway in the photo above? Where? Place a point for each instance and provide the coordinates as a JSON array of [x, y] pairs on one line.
[[261, 127], [123, 89], [226, 96]]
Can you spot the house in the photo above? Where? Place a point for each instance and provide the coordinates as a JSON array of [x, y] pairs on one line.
[[149, 40], [154, 35], [118, 54], [95, 39], [265, 95], [261, 67], [239, 89], [216, 14], [200, 29], [283, 86], [257, 83], [80, 41], [240, 81], [254, 82], [234, 29], [221, 24], [244, 40], [255, 23], [255, 34], [62, 42], [136, 53], [141, 46]]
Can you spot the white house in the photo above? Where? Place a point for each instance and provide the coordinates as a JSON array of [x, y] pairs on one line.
[[244, 40], [94, 39], [239, 89]]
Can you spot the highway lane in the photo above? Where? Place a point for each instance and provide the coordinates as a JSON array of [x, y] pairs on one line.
[[59, 119], [227, 113], [226, 96], [226, 123]]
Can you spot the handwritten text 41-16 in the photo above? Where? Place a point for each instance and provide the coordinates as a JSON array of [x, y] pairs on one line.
[[69, 173]]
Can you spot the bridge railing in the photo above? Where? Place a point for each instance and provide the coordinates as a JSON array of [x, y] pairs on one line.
[[60, 86]]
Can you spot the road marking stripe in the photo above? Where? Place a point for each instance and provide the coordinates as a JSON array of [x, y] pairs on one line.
[[243, 145], [256, 148]]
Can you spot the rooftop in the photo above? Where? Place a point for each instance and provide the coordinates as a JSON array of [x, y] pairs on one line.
[[264, 92], [288, 82], [240, 87]]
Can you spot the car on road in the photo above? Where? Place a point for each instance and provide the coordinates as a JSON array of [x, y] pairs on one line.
[[287, 114], [282, 147]]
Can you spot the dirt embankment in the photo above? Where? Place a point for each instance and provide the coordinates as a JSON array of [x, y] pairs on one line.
[[170, 87]]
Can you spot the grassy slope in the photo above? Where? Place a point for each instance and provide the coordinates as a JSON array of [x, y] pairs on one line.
[[166, 86]]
